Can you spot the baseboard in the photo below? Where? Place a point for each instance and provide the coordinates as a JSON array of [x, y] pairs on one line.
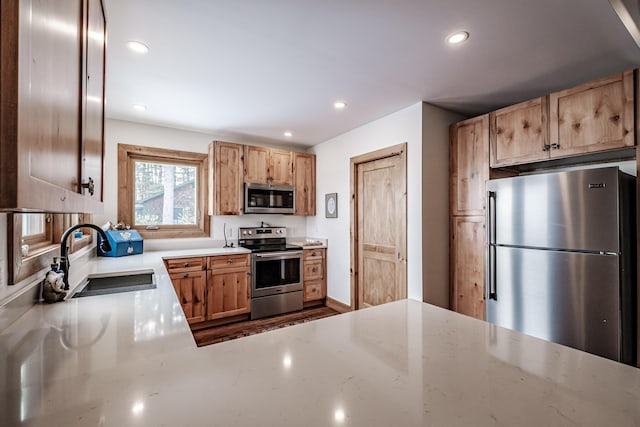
[[337, 305]]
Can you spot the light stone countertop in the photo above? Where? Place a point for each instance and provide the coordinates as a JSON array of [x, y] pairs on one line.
[[130, 360]]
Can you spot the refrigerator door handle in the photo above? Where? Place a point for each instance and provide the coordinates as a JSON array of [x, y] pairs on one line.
[[490, 258]]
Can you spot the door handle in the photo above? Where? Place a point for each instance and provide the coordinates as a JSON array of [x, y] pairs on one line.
[[490, 254]]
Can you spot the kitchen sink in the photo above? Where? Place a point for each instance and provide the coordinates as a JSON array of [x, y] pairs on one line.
[[116, 283]]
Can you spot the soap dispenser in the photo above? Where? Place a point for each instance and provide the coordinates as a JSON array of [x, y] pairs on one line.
[[53, 284]]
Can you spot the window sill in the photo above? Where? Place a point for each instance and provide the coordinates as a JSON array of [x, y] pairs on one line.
[[35, 261]]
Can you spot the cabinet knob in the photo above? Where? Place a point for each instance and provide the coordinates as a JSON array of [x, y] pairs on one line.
[[186, 275], [546, 147], [186, 264], [314, 269], [229, 261], [89, 185], [313, 253]]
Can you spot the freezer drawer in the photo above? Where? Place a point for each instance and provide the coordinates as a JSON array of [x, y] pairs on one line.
[[565, 297]]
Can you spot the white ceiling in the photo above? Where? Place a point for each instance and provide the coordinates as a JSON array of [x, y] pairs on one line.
[[255, 68]]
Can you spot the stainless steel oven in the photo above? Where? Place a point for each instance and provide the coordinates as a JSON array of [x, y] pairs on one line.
[[276, 271]]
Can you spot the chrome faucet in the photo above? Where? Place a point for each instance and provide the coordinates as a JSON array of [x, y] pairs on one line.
[[64, 254]]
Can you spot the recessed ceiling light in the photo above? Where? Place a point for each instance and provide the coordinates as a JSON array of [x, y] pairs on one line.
[[339, 105], [137, 46], [457, 37], [139, 107], [288, 134]]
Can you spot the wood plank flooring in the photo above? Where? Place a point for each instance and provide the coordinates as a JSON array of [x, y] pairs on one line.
[[250, 327]]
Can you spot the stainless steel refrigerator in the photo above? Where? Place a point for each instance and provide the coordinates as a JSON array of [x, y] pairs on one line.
[[561, 259]]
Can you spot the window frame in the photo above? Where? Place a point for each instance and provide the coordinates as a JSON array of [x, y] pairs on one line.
[[128, 155], [36, 241], [41, 255]]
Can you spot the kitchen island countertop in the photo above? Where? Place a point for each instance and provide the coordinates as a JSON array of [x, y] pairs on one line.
[[130, 359]]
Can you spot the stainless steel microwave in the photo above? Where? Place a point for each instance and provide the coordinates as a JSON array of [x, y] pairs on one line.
[[267, 198]]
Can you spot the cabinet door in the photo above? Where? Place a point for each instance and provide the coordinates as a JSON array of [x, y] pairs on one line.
[[594, 116], [226, 191], [519, 133], [48, 134], [228, 293], [93, 100], [304, 168], [256, 164], [469, 165], [42, 105], [280, 167], [468, 269], [190, 288]]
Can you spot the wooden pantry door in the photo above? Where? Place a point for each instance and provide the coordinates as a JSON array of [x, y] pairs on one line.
[[379, 227]]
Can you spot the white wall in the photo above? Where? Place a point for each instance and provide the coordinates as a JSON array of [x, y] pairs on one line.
[[435, 203], [123, 132], [425, 129], [332, 176]]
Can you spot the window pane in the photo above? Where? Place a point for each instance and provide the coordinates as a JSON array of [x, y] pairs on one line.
[[165, 193], [32, 224]]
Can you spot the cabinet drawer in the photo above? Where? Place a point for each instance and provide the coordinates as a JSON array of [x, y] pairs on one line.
[[311, 254], [313, 290], [185, 264], [313, 270], [227, 261]]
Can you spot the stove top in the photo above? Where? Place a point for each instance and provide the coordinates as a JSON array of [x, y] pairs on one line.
[[265, 239]]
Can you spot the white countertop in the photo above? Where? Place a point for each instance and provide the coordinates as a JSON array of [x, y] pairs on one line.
[[130, 359]]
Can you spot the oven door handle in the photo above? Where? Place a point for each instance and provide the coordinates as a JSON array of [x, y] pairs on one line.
[[280, 255]]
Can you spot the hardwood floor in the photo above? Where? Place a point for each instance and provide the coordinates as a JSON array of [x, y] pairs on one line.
[[250, 327]]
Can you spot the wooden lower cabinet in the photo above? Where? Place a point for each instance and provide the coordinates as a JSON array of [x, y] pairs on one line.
[[314, 274], [228, 286], [190, 288], [467, 265], [212, 287]]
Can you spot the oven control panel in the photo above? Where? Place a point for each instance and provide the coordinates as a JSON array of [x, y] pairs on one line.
[[262, 232]]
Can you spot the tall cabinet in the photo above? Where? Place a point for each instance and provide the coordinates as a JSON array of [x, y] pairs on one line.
[[469, 170], [52, 105]]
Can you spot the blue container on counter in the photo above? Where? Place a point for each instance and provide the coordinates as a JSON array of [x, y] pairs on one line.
[[123, 243]]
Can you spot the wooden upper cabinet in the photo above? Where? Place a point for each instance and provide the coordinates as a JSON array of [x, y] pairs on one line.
[[467, 266], [595, 116], [469, 165], [256, 164], [304, 166], [226, 191], [519, 133], [268, 165], [280, 167], [51, 105]]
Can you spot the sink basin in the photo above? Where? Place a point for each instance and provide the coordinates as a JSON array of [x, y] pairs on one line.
[[116, 283]]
